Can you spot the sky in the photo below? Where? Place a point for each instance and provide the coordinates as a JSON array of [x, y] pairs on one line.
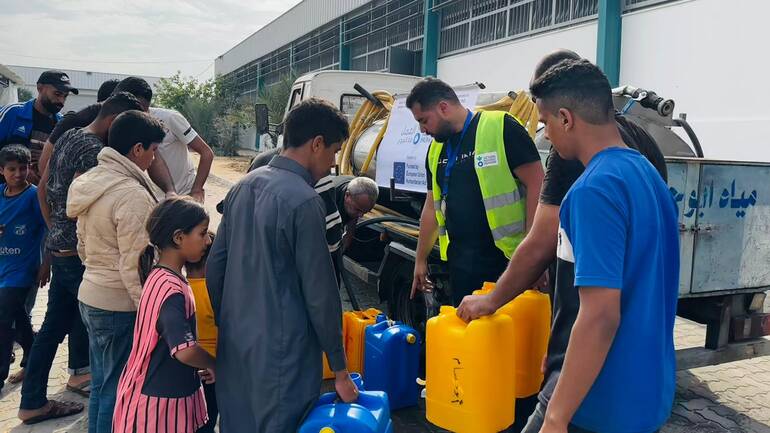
[[141, 37]]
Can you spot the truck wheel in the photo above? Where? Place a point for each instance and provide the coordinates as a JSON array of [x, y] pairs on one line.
[[400, 307]]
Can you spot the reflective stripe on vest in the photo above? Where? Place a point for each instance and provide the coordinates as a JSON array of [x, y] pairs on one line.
[[504, 204]]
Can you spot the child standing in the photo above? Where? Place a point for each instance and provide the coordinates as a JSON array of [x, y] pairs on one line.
[[207, 329], [161, 383], [22, 230]]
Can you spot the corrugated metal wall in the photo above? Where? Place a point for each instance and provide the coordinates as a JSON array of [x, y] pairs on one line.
[[297, 21]]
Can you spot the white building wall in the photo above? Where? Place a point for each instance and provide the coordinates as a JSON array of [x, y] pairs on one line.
[[707, 55], [509, 66], [9, 95], [710, 57]]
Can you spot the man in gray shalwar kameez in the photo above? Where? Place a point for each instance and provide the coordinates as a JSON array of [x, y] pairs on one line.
[[272, 285]]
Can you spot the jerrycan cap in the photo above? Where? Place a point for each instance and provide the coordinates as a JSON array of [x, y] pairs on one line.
[[446, 309], [410, 338], [326, 430]]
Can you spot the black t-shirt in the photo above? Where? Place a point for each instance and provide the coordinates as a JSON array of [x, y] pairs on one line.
[[471, 246], [166, 376], [560, 174], [73, 119]]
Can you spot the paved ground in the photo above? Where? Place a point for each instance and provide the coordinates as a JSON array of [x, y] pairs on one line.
[[732, 397]]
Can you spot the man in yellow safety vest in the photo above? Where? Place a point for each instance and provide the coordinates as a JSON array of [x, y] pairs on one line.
[[483, 176]]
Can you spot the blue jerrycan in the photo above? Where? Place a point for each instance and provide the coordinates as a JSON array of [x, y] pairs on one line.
[[392, 361], [370, 414]]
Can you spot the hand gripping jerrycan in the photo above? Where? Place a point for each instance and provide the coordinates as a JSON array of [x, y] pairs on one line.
[[392, 361], [354, 324], [370, 414], [531, 315], [470, 385]]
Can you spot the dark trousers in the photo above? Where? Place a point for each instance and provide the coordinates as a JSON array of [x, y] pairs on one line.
[[61, 319], [14, 326], [211, 406], [463, 282]]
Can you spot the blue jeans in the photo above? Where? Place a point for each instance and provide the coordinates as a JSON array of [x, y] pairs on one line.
[[110, 334], [61, 318]]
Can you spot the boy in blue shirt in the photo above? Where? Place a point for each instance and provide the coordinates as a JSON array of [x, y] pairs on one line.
[[22, 230], [618, 225]]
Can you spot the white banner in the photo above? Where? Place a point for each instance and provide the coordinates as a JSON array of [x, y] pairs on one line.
[[403, 149]]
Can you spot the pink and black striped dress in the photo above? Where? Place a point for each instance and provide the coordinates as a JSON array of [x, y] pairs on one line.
[[157, 393]]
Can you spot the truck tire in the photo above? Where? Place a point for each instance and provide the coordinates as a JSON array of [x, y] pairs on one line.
[[398, 283]]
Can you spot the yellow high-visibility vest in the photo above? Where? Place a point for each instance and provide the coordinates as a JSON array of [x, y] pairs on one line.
[[504, 204]]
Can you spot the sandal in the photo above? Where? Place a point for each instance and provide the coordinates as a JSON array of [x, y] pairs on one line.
[[57, 409], [17, 377], [83, 390]]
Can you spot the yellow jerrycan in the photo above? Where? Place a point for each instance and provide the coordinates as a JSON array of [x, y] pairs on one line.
[[531, 315], [470, 385], [354, 325]]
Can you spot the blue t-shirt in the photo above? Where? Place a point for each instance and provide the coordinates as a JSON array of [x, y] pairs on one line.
[[618, 224], [21, 233]]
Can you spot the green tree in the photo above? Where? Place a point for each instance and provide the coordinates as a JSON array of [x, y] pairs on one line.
[[24, 94], [276, 96], [215, 108]]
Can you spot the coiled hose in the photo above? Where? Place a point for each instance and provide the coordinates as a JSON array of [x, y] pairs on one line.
[[518, 104]]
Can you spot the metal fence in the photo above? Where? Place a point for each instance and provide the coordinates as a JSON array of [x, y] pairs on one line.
[[371, 32], [467, 24], [629, 5]]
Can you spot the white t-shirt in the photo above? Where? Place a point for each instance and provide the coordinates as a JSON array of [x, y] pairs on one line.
[[174, 149]]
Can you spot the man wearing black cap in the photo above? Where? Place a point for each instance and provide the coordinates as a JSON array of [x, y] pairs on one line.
[[31, 122]]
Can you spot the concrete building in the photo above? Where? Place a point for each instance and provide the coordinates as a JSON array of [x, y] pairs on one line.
[[9, 85], [86, 82], [701, 53]]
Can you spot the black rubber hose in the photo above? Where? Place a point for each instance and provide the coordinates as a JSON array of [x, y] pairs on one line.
[[365, 93], [690, 133], [388, 219], [341, 262]]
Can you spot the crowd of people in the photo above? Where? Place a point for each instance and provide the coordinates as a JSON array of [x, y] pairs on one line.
[[173, 328]]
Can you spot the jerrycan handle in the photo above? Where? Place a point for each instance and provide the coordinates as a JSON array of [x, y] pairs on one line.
[[451, 314]]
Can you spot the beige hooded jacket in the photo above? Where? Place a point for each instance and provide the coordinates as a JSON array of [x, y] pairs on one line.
[[111, 203]]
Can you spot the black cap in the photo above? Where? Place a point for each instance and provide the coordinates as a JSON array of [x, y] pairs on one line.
[[58, 79]]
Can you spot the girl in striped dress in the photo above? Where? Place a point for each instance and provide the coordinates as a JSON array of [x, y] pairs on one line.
[[160, 388]]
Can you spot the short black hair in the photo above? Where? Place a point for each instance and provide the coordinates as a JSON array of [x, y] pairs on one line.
[[429, 92], [15, 153], [106, 89], [200, 264], [118, 103], [133, 127], [314, 117], [577, 85], [553, 58], [135, 86]]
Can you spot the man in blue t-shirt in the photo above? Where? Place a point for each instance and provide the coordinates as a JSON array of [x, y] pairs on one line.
[[22, 230], [618, 225]]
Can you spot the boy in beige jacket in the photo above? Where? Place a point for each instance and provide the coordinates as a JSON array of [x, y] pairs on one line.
[[111, 203]]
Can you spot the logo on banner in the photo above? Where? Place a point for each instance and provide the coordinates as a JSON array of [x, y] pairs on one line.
[[399, 172], [486, 159]]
